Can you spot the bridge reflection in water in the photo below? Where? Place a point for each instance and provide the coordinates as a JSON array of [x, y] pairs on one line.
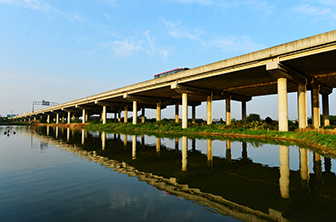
[[239, 187]]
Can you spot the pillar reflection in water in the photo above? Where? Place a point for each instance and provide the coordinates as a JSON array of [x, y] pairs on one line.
[[158, 145], [103, 139], [68, 134], [284, 171], [176, 145], [83, 136], [143, 140], [134, 141], [304, 167], [244, 150], [318, 170], [327, 164], [56, 134], [209, 153], [47, 130], [193, 145], [228, 151], [125, 140], [184, 153]]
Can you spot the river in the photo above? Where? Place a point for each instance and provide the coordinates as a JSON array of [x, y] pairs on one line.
[[60, 174]]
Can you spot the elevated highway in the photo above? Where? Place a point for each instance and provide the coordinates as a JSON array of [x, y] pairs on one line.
[[298, 66]]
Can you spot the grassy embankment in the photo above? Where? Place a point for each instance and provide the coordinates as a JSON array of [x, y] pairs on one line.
[[322, 141]]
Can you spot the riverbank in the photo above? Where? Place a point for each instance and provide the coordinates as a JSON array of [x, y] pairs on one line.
[[65, 125], [14, 123], [322, 141]]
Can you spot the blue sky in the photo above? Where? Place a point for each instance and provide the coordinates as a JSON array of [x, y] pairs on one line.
[[64, 50]]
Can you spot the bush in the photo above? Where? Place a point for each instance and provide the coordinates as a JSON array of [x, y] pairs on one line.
[[253, 117]]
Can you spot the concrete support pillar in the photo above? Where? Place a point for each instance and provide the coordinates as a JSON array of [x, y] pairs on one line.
[[86, 115], [228, 111], [184, 110], [244, 110], [143, 118], [57, 118], [83, 116], [184, 152], [193, 111], [284, 171], [69, 117], [325, 106], [158, 111], [302, 106], [315, 106], [104, 114], [48, 118], [134, 141], [304, 167], [135, 112], [119, 116], [34, 118], [125, 114], [177, 118], [73, 116], [282, 104], [209, 109]]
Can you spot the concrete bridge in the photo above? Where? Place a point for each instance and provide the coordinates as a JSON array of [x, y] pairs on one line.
[[298, 66]]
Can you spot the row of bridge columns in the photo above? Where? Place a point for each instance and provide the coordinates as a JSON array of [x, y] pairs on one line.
[[302, 105], [275, 68], [158, 112], [283, 74]]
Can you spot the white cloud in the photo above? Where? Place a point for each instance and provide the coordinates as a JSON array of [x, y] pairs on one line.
[[316, 12], [259, 5], [37, 5], [225, 43], [90, 52], [233, 43], [124, 48], [331, 3], [48, 37], [178, 31], [163, 51], [201, 2]]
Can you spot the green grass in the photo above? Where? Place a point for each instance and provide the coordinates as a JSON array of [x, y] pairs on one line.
[[323, 143]]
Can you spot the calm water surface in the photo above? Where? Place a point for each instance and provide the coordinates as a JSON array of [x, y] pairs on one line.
[[57, 174]]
